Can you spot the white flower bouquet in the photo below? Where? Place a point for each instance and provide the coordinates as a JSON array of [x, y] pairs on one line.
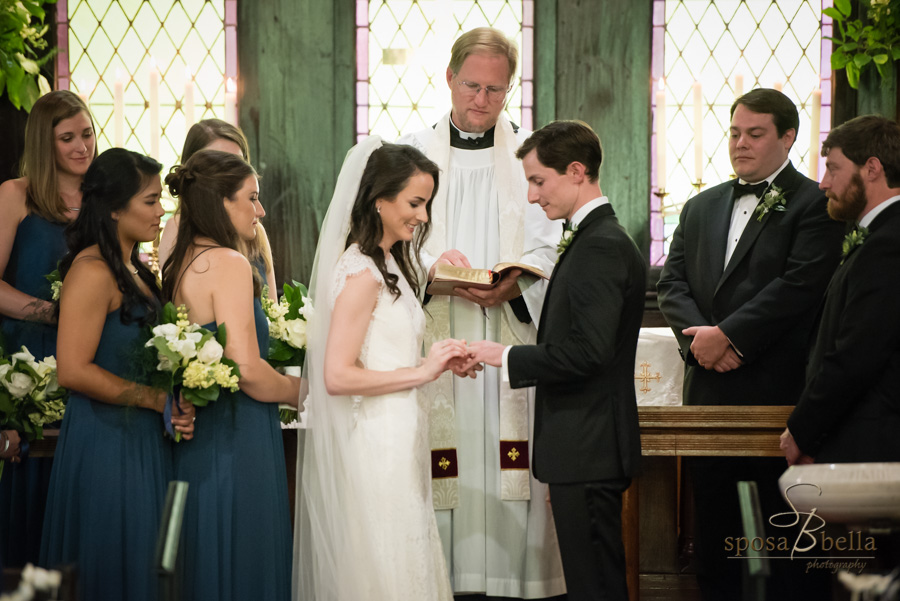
[[190, 360], [288, 320], [30, 395]]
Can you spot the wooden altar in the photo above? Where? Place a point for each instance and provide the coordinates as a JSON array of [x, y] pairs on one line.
[[696, 431]]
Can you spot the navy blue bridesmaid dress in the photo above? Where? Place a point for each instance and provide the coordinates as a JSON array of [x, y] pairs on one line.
[[236, 535], [38, 247], [107, 491]]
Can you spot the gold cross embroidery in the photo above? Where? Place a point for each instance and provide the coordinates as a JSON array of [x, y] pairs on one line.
[[444, 463], [513, 454], [645, 377]]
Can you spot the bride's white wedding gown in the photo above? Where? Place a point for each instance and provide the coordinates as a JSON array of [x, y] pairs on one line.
[[389, 448]]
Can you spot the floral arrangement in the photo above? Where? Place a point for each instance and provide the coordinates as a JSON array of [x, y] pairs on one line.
[[55, 284], [190, 360], [772, 200], [288, 320], [859, 44], [852, 241], [30, 395]]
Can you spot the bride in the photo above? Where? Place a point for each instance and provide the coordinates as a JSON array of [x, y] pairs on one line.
[[365, 526]]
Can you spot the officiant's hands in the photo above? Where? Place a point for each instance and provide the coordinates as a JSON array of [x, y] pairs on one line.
[[505, 290]]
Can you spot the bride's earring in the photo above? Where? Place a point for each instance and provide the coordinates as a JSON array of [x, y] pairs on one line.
[[378, 209]]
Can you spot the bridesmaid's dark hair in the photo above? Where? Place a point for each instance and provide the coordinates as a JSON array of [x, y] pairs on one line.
[[208, 180], [386, 175], [112, 180]]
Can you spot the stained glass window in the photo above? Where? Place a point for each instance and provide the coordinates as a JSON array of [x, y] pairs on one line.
[[191, 44], [729, 47], [402, 52]]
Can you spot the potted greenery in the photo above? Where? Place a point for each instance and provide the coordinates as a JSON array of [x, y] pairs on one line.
[[23, 51]]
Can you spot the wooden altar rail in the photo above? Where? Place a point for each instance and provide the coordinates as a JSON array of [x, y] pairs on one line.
[[697, 431]]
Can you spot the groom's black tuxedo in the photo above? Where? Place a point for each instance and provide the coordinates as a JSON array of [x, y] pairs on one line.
[[850, 409], [765, 300], [586, 436]]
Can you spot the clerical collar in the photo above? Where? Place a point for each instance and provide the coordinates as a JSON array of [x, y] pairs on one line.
[[871, 215], [470, 141], [586, 209], [769, 179]]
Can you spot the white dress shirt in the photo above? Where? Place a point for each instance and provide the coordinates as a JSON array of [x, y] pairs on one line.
[[743, 210], [871, 215]]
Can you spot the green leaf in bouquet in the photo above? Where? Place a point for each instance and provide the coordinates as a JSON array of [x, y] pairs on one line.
[[235, 370], [160, 345], [222, 335], [200, 397], [170, 313], [279, 350]]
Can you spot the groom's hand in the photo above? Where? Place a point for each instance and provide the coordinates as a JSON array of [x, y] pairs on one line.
[[505, 290], [486, 351]]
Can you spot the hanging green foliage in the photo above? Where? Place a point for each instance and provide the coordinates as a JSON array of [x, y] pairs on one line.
[[23, 51]]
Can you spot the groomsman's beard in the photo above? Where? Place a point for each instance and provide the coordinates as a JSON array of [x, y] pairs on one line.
[[851, 204]]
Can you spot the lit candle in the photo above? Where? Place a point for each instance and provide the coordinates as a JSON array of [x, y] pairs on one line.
[[231, 101], [738, 85], [698, 132], [777, 86], [188, 98], [661, 135], [154, 109], [814, 129], [84, 93], [119, 110]]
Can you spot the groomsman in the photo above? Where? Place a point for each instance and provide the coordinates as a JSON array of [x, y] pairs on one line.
[[850, 408], [746, 272], [586, 439]]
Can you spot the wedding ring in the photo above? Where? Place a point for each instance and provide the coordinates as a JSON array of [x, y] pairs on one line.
[[193, 419]]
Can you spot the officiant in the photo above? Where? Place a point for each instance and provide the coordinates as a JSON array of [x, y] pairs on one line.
[[493, 517], [746, 271]]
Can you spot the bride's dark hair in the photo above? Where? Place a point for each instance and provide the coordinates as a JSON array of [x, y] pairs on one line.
[[387, 173], [112, 180]]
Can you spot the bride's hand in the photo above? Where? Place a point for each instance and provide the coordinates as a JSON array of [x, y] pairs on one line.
[[440, 356]]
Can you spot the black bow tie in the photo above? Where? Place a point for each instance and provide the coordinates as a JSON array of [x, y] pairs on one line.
[[754, 189]]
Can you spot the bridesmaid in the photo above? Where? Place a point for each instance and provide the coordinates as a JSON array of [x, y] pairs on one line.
[[215, 134], [34, 210], [112, 463], [236, 532]]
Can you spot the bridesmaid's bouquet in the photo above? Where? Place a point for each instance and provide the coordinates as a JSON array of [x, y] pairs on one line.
[[55, 284], [30, 395], [288, 319], [190, 360]]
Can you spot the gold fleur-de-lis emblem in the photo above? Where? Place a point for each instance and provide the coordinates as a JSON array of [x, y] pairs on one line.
[[444, 463], [513, 454]]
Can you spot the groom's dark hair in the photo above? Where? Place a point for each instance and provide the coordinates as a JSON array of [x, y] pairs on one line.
[[561, 143], [768, 101]]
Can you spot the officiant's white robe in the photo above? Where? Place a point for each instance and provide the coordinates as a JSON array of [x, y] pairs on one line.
[[493, 546]]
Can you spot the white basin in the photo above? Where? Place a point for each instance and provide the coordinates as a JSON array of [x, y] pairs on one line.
[[855, 493]]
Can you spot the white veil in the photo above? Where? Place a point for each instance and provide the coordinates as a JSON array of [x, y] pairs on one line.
[[333, 546]]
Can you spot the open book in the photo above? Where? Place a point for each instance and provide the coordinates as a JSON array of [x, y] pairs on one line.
[[448, 277]]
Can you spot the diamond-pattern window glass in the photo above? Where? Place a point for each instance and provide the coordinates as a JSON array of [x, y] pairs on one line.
[[402, 52], [729, 47], [190, 43]]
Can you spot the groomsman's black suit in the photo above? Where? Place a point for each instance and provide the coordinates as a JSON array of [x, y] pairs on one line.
[[586, 436], [765, 300], [850, 409]]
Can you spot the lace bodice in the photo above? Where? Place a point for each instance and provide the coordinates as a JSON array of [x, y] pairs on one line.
[[394, 337]]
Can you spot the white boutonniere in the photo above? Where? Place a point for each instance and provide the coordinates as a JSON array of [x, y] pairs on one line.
[[567, 236], [772, 200]]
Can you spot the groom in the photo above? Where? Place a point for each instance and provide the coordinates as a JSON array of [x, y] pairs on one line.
[[586, 439]]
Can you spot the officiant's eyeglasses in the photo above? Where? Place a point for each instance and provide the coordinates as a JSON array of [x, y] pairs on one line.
[[471, 90]]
